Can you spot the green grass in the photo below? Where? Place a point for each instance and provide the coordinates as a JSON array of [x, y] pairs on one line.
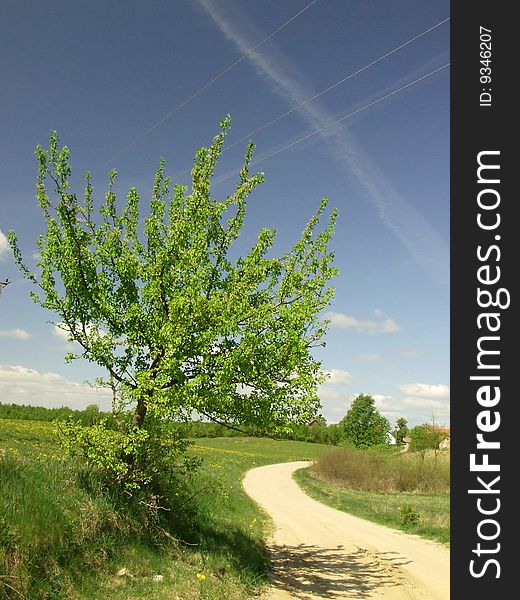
[[63, 535], [433, 510], [35, 439]]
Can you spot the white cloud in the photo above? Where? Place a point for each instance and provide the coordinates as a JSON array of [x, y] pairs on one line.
[[5, 249], [338, 376], [23, 385], [334, 402], [423, 403], [388, 407], [61, 333], [425, 390], [370, 357], [416, 411], [421, 240], [378, 312], [426, 409], [19, 334], [390, 326], [343, 321], [412, 353]]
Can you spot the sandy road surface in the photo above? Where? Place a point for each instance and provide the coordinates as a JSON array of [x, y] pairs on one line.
[[319, 552]]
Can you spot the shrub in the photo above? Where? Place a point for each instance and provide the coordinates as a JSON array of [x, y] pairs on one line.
[[384, 470], [141, 461], [408, 515]]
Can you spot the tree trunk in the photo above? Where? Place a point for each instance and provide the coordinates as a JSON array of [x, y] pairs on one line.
[[140, 412]]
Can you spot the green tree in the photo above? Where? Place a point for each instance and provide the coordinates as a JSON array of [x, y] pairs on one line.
[[180, 326], [426, 437], [363, 425], [401, 430]]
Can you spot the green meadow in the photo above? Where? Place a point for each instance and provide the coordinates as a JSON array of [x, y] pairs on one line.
[[65, 534]]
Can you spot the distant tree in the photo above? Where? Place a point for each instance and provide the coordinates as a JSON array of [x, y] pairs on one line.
[[426, 437], [91, 414], [363, 425], [180, 325], [401, 430]]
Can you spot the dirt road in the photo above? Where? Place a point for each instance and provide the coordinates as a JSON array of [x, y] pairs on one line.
[[319, 552]]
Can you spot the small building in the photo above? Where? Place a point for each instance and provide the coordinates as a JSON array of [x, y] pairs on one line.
[[444, 444], [390, 439]]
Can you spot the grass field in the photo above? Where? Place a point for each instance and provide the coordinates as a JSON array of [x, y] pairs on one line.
[[63, 537], [364, 484]]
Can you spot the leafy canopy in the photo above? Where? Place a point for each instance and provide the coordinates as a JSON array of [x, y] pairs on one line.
[[363, 425], [401, 430], [426, 437], [179, 325]]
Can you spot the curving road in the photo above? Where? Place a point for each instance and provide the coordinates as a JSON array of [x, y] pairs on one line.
[[319, 552]]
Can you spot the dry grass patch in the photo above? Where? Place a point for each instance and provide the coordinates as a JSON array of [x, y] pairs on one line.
[[382, 471]]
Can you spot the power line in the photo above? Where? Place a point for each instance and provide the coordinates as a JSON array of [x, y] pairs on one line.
[[206, 86], [333, 123], [334, 85], [328, 89]]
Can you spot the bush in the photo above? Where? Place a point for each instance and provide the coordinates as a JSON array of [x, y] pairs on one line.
[[408, 515], [384, 470], [142, 462]]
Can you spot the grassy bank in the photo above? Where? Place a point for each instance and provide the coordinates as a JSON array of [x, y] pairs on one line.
[[63, 534], [404, 491]]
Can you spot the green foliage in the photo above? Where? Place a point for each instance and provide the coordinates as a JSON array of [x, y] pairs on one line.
[[60, 522], [363, 425], [65, 533], [408, 515], [138, 458], [401, 430], [179, 325], [319, 433], [24, 412], [425, 437]]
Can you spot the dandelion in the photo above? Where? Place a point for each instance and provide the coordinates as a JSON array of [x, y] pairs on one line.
[[201, 576]]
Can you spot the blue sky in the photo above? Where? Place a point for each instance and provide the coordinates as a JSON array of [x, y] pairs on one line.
[[109, 77]]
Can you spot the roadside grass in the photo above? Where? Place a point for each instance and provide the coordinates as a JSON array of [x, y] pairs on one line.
[[408, 491], [64, 534], [384, 470]]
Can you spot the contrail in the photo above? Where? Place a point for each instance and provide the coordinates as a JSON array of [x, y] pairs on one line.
[[424, 244], [178, 108]]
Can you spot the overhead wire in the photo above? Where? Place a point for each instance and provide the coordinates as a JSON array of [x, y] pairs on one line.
[[173, 112], [334, 85], [328, 89], [336, 122]]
